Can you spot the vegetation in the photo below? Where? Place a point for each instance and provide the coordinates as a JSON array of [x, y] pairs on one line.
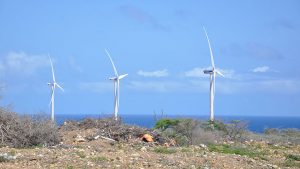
[[166, 123], [69, 167], [191, 131], [292, 161], [164, 150], [80, 154], [99, 159], [287, 135], [236, 149], [25, 131], [293, 157]]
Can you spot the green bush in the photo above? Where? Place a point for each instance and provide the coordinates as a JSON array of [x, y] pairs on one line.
[[293, 157], [291, 163], [80, 154], [166, 123], [99, 159], [164, 150], [235, 149]]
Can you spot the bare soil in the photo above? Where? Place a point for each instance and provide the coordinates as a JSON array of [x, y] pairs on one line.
[[135, 153]]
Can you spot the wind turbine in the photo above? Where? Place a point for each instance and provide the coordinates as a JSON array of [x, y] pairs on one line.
[[53, 84], [212, 79], [116, 80]]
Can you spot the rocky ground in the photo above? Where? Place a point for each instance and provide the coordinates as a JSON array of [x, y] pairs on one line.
[[78, 150]]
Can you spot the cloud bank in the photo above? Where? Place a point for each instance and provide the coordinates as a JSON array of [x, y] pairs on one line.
[[261, 69], [23, 63], [156, 73]]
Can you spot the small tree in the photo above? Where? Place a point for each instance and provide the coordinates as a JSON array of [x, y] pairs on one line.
[[236, 129], [186, 128], [166, 123]]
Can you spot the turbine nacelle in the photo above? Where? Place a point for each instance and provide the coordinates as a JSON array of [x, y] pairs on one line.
[[118, 77], [113, 78], [212, 72], [208, 71]]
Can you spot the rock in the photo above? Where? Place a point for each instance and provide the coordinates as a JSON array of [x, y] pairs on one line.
[[272, 166], [7, 157], [147, 138], [135, 155], [79, 138], [143, 149], [193, 167], [203, 146]]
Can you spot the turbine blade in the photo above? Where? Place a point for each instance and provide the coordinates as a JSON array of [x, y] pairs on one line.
[[53, 76], [59, 87], [122, 76], [219, 73], [50, 102], [210, 50], [115, 70]]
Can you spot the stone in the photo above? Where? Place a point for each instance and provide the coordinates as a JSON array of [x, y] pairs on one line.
[[147, 138], [203, 146], [143, 149], [79, 138]]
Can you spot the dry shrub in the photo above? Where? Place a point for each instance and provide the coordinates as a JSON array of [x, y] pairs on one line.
[[202, 136], [25, 131], [110, 128], [186, 128], [236, 130], [193, 132], [89, 123], [288, 135]]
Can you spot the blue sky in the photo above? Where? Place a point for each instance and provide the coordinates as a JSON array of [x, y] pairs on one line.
[[162, 46]]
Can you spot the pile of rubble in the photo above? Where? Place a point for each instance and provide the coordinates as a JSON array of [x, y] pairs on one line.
[[110, 129]]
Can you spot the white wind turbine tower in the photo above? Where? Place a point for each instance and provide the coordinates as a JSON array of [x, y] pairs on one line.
[[53, 84], [212, 73], [116, 80]]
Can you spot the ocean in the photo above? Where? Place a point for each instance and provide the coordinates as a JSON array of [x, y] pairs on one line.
[[255, 123]]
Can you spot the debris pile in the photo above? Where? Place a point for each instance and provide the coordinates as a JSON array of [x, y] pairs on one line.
[[112, 130]]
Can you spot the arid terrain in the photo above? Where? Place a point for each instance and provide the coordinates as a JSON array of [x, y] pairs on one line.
[[83, 148]]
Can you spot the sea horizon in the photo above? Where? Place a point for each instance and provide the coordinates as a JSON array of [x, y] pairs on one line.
[[255, 123]]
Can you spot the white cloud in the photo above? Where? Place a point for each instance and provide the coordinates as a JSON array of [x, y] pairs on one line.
[[20, 62], [157, 73], [96, 87], [261, 69], [198, 72]]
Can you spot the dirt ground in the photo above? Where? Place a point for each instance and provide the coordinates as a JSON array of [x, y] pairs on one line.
[[75, 152]]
